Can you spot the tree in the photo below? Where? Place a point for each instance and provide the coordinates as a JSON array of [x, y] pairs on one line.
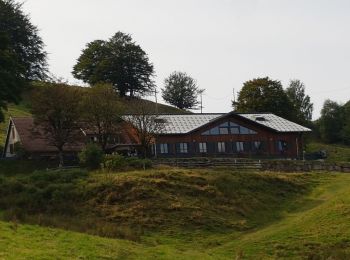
[[181, 90], [301, 103], [101, 110], [56, 110], [21, 53], [146, 124], [118, 61], [331, 122], [346, 127], [264, 95]]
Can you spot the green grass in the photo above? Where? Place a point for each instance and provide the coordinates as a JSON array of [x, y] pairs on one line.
[[173, 214], [336, 153]]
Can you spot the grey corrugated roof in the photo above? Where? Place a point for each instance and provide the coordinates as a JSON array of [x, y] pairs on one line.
[[185, 123], [275, 122], [182, 124]]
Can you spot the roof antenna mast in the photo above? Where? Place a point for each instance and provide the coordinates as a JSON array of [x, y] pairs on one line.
[[234, 103], [155, 94], [200, 92]]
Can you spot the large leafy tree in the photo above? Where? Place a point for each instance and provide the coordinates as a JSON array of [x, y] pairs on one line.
[[346, 127], [118, 61], [181, 90], [301, 102], [22, 57], [56, 109], [264, 95], [331, 122], [101, 110]]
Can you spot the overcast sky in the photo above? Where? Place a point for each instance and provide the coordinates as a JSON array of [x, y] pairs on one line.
[[221, 43]]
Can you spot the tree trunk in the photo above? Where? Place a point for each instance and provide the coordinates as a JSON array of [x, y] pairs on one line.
[[60, 156]]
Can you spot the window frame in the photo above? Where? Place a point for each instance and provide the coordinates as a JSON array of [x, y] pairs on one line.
[[203, 148], [164, 148], [183, 147], [221, 147]]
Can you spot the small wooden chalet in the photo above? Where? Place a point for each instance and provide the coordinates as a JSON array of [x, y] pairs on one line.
[[24, 133], [233, 134]]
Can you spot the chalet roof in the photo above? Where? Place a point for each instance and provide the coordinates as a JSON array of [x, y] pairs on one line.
[[185, 123], [33, 138]]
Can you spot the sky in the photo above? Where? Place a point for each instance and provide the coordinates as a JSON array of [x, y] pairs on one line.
[[220, 43]]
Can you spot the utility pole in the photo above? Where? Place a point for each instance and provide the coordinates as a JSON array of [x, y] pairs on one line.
[[234, 103], [155, 94], [200, 92]]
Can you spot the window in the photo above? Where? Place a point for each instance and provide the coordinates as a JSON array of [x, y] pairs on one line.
[[223, 130], [221, 147], [183, 148], [163, 148], [229, 128], [282, 146], [202, 147], [257, 145], [239, 146], [93, 139]]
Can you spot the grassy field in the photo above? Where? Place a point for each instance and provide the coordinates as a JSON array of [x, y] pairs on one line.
[[173, 214]]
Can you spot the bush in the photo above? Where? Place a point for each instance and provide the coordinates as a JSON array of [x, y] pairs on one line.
[[118, 162], [91, 156]]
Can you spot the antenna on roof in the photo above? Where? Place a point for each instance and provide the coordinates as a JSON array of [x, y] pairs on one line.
[[234, 103], [155, 94], [200, 92]]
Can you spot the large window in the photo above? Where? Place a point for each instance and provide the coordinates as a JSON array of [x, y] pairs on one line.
[[229, 128], [239, 147], [183, 148], [221, 147], [202, 147], [163, 148]]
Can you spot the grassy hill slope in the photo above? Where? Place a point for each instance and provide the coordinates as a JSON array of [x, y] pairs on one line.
[[173, 214]]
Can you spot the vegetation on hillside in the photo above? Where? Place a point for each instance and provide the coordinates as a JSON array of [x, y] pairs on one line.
[[174, 213]]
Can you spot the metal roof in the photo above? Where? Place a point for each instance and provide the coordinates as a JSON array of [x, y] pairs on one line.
[[182, 124], [185, 123], [274, 122]]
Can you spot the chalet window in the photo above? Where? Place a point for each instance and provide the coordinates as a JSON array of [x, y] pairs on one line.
[[163, 148], [239, 146], [229, 128], [93, 139], [282, 146], [203, 147], [221, 147], [183, 147]]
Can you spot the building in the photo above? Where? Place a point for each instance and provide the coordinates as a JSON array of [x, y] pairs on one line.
[[233, 134], [24, 133], [260, 135]]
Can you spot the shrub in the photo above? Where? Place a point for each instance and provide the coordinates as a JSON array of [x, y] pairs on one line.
[[118, 162], [91, 157]]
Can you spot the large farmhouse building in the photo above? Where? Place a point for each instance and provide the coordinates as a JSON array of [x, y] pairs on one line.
[[232, 134], [263, 135]]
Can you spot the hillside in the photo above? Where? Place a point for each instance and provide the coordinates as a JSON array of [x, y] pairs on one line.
[[168, 214]]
